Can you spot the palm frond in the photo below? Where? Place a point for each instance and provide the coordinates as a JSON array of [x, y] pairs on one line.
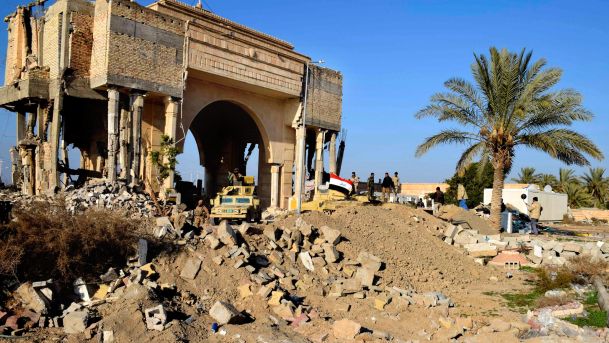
[[446, 137], [565, 145]]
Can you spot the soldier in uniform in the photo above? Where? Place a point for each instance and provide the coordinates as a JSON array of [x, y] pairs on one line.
[[355, 180], [371, 187], [235, 178], [201, 215], [396, 186]]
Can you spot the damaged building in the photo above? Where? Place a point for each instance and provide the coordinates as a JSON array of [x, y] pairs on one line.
[[115, 79]]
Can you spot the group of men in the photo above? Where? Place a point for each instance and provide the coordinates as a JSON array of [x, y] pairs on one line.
[[389, 185]]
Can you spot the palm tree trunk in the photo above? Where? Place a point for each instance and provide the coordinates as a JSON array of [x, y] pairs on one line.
[[498, 181]]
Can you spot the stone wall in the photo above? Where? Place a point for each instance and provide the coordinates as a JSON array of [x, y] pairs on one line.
[[324, 100]]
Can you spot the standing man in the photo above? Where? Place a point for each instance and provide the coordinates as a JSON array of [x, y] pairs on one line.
[[438, 201], [387, 187], [370, 185], [201, 215], [462, 196], [235, 178], [355, 180], [396, 185], [534, 214]]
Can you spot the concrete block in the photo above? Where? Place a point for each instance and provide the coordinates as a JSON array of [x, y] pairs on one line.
[[369, 261], [365, 276], [538, 250], [451, 231], [213, 242], [330, 253], [276, 297], [481, 250], [345, 329], [191, 268], [573, 247], [331, 236], [82, 289], [245, 290], [605, 248], [285, 311], [558, 248], [32, 298], [226, 234], [306, 260], [142, 251], [465, 238], [156, 317], [224, 313], [76, 321], [270, 233]]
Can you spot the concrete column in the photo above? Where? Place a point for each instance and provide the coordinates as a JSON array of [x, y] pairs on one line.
[[113, 121], [275, 185], [136, 122], [64, 154], [299, 176], [31, 123], [319, 158], [124, 138], [171, 122], [54, 140], [332, 161], [20, 126]]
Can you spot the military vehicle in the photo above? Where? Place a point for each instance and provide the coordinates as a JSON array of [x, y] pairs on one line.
[[237, 203]]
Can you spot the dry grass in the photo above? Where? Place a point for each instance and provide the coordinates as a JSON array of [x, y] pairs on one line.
[[554, 278], [47, 241], [585, 267], [553, 301]]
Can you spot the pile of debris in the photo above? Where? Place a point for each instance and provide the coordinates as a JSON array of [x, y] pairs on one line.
[[103, 194], [541, 250]]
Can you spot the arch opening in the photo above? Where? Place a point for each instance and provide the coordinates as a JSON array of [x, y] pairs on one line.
[[228, 138]]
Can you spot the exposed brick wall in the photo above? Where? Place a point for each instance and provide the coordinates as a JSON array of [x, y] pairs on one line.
[[99, 63], [140, 14], [81, 43], [141, 59], [9, 72], [324, 101], [51, 39]]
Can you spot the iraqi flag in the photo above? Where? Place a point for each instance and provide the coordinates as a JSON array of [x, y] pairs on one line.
[[339, 184]]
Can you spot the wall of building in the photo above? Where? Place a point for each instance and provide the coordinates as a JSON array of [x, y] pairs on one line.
[[325, 97], [138, 48]]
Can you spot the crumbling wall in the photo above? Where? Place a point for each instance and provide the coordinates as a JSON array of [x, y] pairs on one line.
[[51, 40], [324, 99], [142, 50], [81, 43]]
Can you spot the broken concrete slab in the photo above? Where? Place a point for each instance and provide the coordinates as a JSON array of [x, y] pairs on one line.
[[365, 276], [191, 268], [225, 313], [573, 247], [331, 236], [369, 261], [481, 250], [306, 260], [226, 234], [76, 321], [32, 298], [345, 329]]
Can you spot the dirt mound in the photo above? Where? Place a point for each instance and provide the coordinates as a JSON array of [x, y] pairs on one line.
[[406, 240]]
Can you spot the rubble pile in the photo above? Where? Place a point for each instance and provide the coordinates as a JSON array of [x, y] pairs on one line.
[[103, 194], [540, 250]]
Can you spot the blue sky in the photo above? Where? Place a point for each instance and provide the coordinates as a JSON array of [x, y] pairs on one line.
[[395, 54]]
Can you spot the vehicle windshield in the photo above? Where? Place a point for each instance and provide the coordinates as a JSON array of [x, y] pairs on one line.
[[235, 200], [243, 200]]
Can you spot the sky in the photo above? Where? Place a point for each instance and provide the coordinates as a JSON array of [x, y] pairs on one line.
[[395, 54]]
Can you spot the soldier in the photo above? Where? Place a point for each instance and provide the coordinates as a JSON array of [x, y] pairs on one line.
[[201, 215], [387, 186], [396, 185], [235, 178], [371, 187], [438, 201], [355, 180]]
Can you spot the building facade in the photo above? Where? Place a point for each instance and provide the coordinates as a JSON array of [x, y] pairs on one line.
[[113, 79]]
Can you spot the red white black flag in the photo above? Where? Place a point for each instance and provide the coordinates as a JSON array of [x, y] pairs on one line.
[[339, 184]]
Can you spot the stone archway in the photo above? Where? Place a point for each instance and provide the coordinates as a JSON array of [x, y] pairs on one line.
[[223, 131]]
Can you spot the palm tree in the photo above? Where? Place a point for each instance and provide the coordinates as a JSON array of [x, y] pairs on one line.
[[511, 105], [578, 195], [547, 179], [566, 176], [527, 175], [597, 185]]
